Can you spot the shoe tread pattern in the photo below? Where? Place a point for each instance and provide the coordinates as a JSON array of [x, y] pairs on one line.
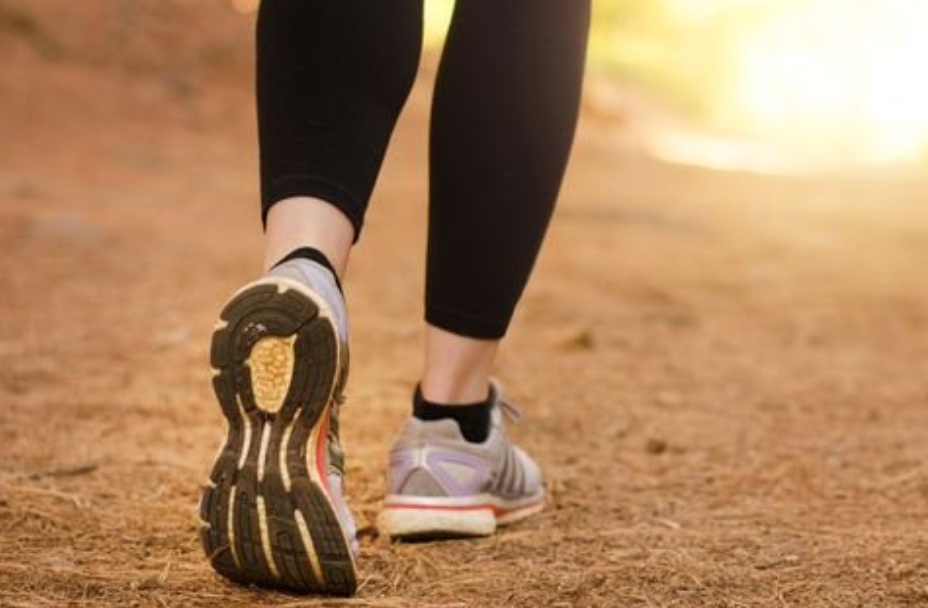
[[239, 553]]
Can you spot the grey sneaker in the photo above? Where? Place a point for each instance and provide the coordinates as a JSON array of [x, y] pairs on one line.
[[272, 511], [439, 485]]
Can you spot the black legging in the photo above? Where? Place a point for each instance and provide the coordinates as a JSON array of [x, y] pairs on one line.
[[333, 76]]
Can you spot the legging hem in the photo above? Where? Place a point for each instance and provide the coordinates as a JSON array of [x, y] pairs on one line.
[[465, 324], [316, 187]]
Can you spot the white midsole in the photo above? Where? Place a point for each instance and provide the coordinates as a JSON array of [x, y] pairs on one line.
[[477, 500], [477, 515]]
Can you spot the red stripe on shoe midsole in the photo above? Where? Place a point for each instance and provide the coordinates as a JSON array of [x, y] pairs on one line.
[[320, 452], [497, 510]]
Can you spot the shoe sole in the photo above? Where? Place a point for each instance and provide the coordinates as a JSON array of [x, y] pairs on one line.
[[425, 518], [266, 512]]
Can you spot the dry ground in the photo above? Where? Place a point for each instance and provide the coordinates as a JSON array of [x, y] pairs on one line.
[[725, 375]]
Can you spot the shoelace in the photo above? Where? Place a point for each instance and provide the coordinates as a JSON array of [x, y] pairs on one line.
[[513, 413]]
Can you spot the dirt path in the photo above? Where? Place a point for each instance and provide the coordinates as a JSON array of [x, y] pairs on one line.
[[725, 376]]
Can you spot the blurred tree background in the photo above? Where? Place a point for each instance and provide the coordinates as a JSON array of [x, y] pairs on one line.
[[827, 82], [677, 51], [838, 80]]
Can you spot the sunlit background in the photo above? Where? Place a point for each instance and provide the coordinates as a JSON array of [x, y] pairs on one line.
[[780, 85], [815, 82]]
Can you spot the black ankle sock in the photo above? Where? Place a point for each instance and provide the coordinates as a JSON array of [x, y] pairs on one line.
[[472, 418], [311, 253]]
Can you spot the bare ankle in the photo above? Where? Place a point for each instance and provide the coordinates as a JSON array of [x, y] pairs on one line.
[[457, 368]]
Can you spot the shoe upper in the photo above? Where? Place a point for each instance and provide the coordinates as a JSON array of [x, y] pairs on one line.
[[433, 459]]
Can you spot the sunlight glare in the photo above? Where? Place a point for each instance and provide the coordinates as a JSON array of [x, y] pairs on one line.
[[837, 77]]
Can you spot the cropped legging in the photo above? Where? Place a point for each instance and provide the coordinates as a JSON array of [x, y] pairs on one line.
[[332, 77]]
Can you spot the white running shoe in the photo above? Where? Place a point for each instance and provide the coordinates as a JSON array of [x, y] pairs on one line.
[[439, 485]]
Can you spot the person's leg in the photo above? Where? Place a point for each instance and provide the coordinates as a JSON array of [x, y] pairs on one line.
[[505, 110], [332, 78], [456, 368], [304, 221], [506, 104]]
